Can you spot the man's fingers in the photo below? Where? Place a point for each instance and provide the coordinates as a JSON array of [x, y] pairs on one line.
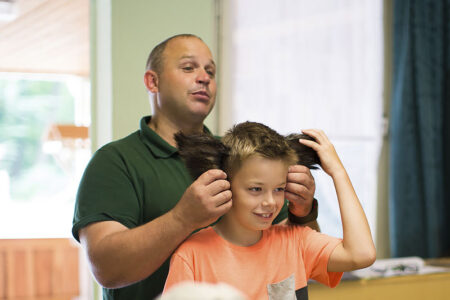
[[291, 197], [299, 169], [300, 178], [298, 189], [299, 173], [222, 198], [224, 208], [217, 187], [210, 176]]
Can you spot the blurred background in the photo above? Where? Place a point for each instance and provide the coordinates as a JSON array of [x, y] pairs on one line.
[[373, 74]]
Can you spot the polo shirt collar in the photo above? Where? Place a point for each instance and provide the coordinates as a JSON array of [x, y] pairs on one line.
[[157, 145]]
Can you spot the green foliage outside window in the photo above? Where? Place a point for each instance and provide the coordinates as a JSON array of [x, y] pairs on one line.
[[27, 108]]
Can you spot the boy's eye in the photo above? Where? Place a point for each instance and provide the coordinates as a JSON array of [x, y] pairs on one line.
[[280, 189], [255, 189]]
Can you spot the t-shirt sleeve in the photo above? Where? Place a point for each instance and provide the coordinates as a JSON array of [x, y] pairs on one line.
[[180, 270], [106, 192], [316, 250]]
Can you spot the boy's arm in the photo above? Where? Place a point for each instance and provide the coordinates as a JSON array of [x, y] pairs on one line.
[[357, 249]]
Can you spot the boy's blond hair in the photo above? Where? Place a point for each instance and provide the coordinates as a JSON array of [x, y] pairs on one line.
[[250, 138], [202, 152]]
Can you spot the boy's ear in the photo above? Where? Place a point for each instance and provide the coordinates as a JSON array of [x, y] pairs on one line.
[[151, 81]]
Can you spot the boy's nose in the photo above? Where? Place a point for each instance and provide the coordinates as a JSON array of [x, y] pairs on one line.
[[269, 200]]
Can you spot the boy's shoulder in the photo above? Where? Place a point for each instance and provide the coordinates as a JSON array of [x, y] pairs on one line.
[[202, 237], [288, 229], [203, 233], [288, 233]]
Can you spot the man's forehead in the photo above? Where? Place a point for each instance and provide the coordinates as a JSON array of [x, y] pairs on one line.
[[188, 57], [188, 48]]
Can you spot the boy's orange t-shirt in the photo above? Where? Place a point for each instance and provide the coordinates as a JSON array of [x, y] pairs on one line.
[[277, 265]]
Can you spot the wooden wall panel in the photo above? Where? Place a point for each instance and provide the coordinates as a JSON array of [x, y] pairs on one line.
[[39, 269], [2, 275], [42, 271], [66, 265], [20, 279]]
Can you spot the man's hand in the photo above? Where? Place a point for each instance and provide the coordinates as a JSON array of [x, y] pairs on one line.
[[208, 198], [300, 190]]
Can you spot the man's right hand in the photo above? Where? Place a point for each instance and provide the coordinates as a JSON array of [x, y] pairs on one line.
[[120, 256], [205, 200]]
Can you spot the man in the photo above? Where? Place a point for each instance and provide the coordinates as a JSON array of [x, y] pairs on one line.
[[136, 201]]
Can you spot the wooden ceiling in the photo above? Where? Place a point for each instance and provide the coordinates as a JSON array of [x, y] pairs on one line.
[[46, 36]]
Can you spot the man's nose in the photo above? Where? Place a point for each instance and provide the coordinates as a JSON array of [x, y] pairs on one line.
[[203, 77]]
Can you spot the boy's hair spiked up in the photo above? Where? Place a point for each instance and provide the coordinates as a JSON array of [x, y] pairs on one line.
[[250, 138], [202, 152], [306, 155]]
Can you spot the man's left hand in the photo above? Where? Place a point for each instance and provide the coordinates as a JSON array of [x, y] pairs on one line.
[[300, 190]]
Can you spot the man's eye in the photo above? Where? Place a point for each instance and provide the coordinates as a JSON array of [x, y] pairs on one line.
[[188, 68], [211, 73]]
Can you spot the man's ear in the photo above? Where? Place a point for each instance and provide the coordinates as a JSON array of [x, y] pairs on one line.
[[151, 81]]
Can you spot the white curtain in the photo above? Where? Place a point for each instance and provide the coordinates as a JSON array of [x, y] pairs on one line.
[[296, 64]]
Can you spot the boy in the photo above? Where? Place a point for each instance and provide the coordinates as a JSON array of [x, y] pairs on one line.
[[243, 249]]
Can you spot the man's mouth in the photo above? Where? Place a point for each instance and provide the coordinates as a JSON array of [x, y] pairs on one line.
[[202, 95]]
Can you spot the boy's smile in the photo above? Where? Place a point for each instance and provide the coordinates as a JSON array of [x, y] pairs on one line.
[[258, 196]]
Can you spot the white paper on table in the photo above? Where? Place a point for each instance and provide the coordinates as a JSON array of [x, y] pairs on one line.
[[397, 267]]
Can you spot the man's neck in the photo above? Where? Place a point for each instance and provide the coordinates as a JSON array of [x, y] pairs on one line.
[[231, 231], [166, 128]]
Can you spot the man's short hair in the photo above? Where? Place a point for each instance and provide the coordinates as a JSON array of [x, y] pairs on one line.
[[156, 57]]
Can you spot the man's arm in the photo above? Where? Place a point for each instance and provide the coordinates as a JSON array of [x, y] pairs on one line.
[[120, 256]]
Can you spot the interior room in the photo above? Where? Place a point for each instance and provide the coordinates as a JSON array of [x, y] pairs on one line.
[[374, 75]]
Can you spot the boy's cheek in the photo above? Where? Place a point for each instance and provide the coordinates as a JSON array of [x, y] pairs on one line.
[[280, 206]]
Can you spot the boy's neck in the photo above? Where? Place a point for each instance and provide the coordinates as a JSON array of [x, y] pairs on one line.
[[231, 231]]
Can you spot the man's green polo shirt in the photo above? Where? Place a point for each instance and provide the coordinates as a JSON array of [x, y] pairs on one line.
[[133, 181]]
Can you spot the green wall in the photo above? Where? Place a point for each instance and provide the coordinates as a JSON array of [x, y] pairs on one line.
[[123, 32], [136, 26]]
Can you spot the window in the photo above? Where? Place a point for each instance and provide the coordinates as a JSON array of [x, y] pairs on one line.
[[44, 148], [298, 64]]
